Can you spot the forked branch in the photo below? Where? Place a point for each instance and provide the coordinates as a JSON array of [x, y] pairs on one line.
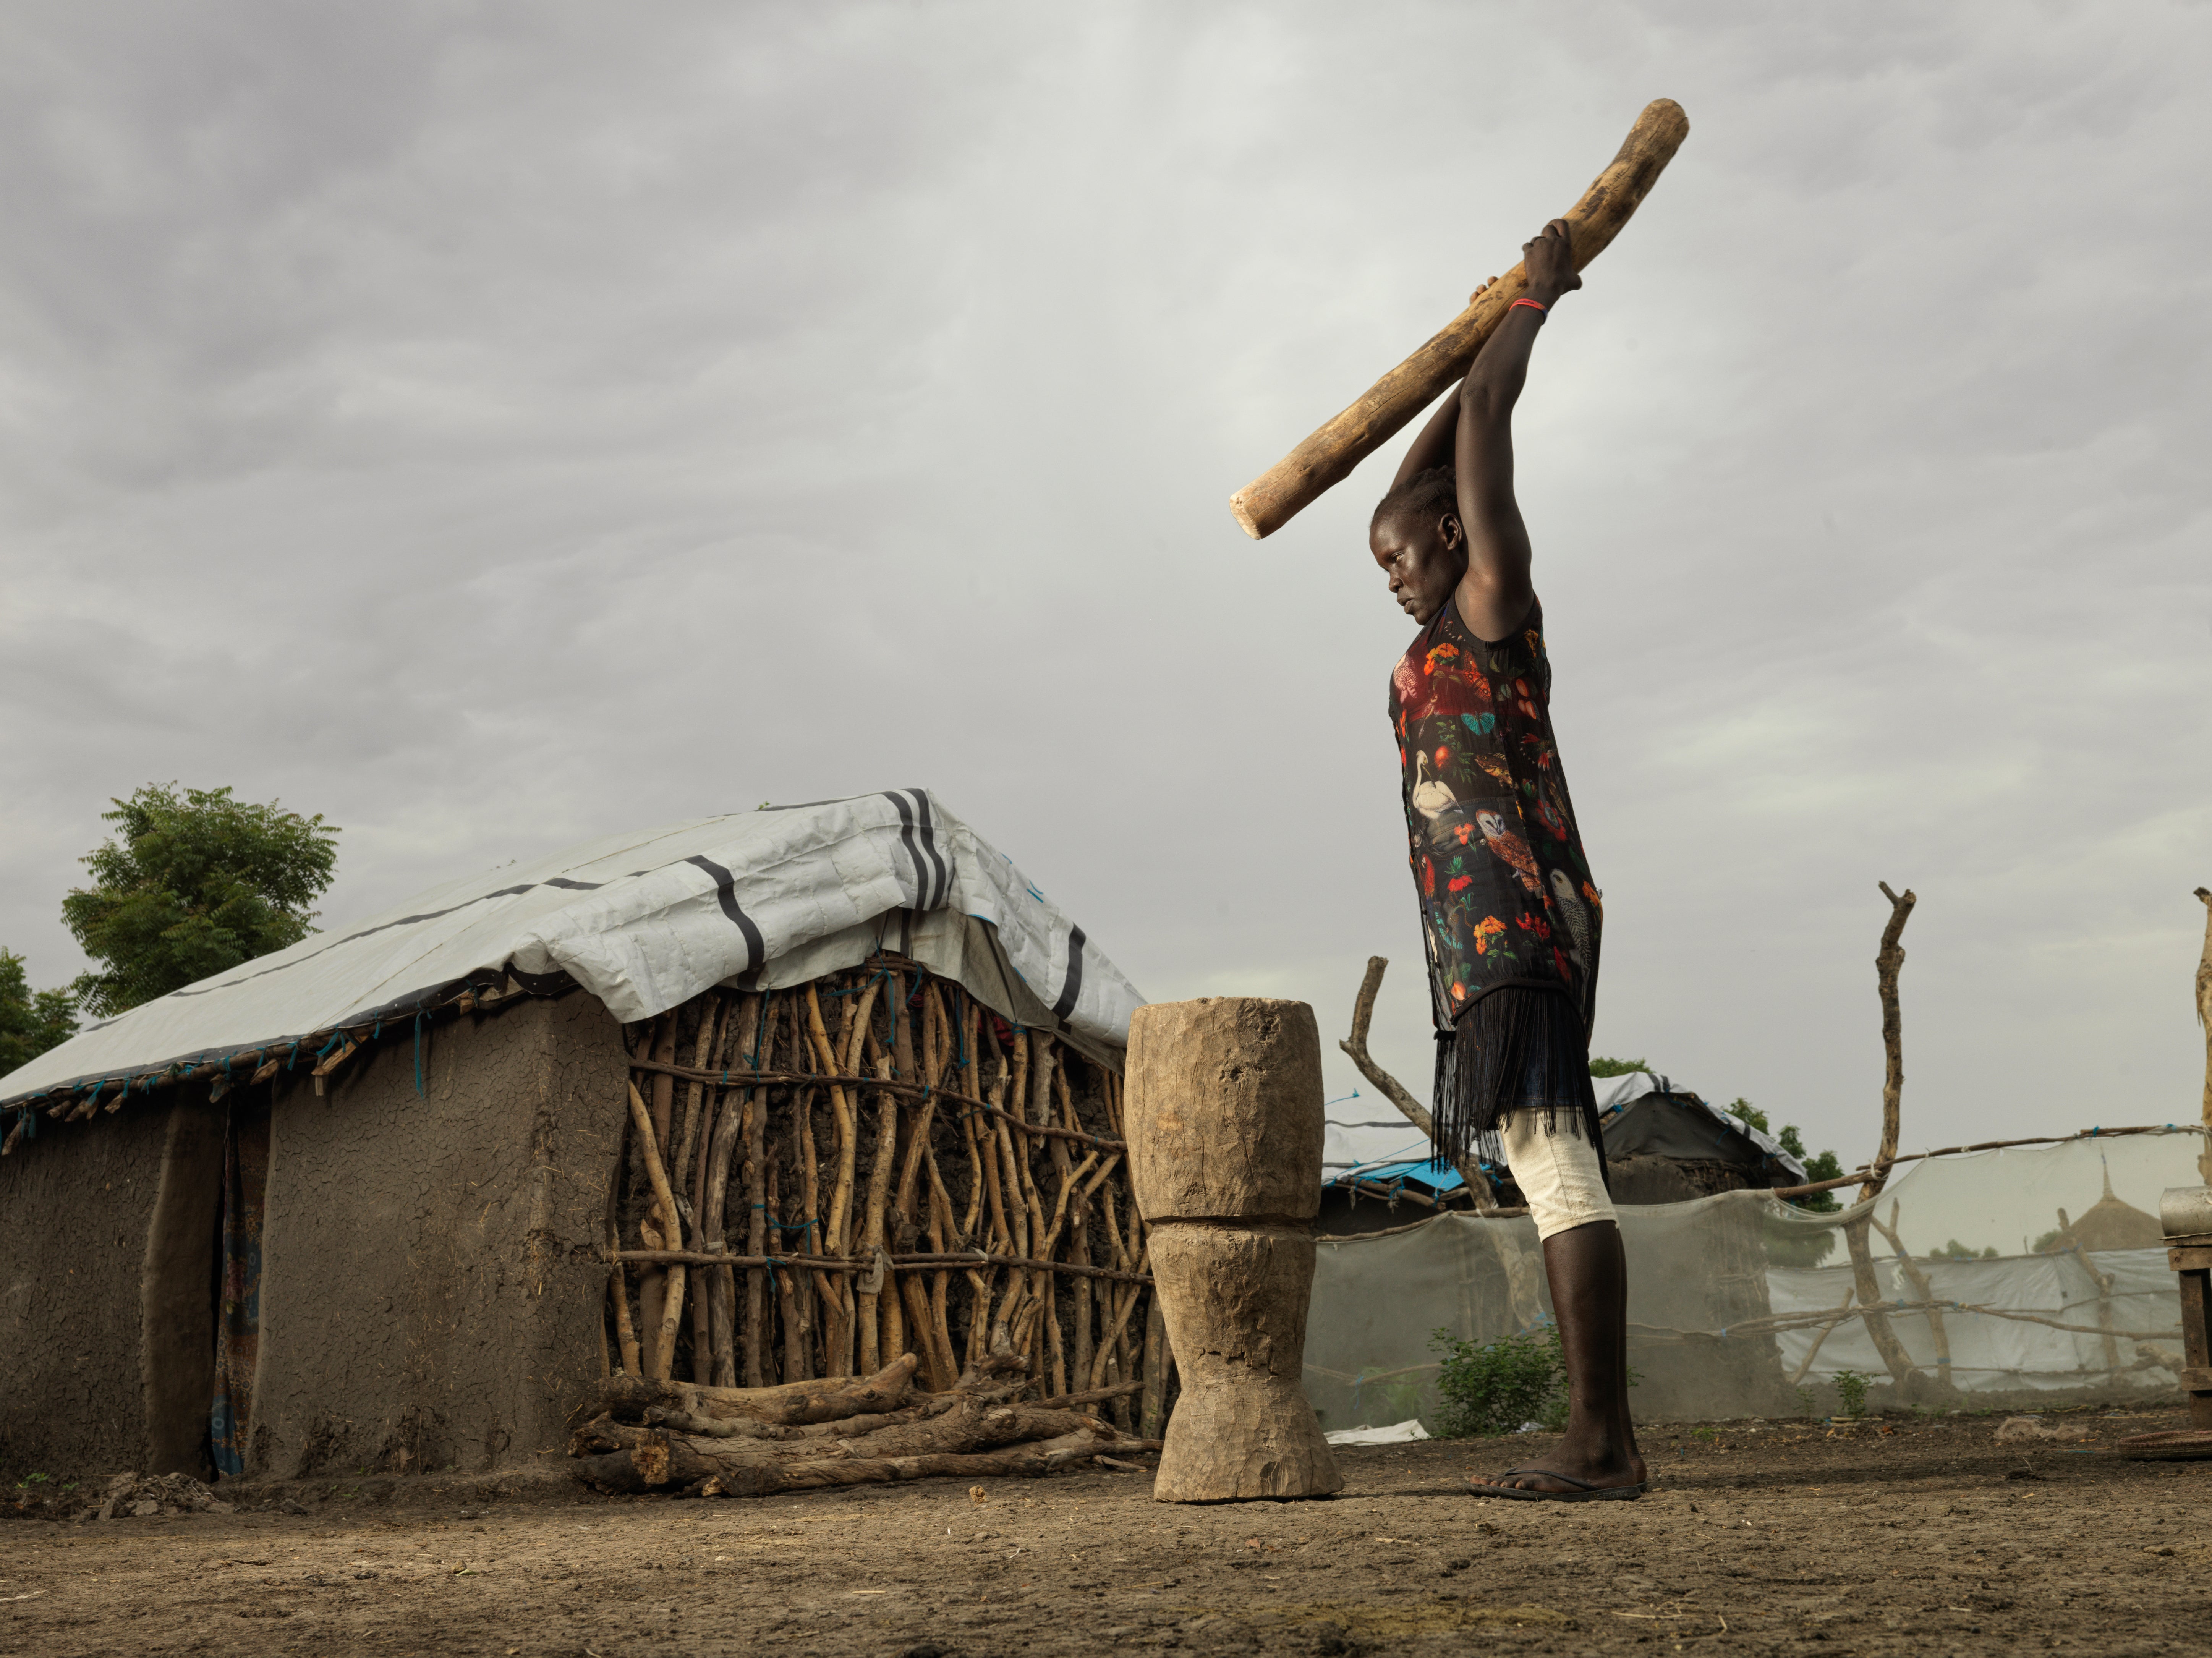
[[1363, 1014]]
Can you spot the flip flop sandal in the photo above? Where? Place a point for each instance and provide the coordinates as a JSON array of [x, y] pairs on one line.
[[1583, 1492]]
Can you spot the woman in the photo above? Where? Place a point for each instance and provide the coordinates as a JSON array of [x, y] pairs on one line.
[[1508, 911]]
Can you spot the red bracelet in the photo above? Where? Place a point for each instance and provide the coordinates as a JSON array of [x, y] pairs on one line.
[[1535, 306]]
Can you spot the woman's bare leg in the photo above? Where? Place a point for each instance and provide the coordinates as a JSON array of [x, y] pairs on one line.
[[1588, 1272]]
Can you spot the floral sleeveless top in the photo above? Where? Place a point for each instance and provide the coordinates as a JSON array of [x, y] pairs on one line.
[[1505, 891]]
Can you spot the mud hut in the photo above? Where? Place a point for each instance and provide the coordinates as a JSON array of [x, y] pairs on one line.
[[1662, 1144], [396, 1198], [1666, 1144], [2109, 1223]]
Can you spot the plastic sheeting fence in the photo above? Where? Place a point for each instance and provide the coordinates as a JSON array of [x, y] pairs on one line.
[[1742, 1305]]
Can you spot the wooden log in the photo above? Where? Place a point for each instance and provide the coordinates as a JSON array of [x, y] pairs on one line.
[[683, 1422], [1093, 1395], [1224, 1123], [1292, 483], [825, 1400], [676, 1421], [650, 1467]]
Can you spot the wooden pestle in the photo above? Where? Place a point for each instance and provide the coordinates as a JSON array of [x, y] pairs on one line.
[[1326, 459]]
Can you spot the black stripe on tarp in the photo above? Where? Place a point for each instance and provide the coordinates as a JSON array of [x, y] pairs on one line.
[[929, 845], [913, 852], [1072, 987], [755, 946]]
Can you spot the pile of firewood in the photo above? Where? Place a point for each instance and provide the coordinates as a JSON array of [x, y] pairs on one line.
[[649, 1435]]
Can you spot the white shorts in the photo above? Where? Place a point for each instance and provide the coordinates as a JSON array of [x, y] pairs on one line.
[[1556, 1170]]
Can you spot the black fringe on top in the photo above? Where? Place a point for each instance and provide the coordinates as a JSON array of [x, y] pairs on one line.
[[1522, 1047]]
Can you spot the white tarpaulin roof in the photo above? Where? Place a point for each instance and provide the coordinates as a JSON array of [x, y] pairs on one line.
[[646, 921]]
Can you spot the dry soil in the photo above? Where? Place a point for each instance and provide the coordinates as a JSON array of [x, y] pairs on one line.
[[1904, 1535]]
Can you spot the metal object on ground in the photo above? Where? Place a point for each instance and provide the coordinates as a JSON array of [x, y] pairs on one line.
[[2185, 1210], [2184, 1214]]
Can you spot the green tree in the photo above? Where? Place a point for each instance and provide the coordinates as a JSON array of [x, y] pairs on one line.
[[1824, 1167], [31, 1022], [193, 884], [1617, 1067], [1956, 1250]]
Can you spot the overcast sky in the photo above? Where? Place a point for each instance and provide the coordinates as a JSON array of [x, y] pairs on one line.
[[492, 426]]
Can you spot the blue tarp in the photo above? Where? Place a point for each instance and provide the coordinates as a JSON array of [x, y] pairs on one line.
[[1438, 1178]]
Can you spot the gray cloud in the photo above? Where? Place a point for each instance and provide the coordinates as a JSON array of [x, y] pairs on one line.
[[493, 426]]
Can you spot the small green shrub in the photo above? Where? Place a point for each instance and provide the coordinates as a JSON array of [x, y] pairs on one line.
[[1495, 1388], [1851, 1389]]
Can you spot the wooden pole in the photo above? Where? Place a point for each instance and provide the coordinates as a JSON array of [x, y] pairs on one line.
[[2204, 1019], [1887, 963], [1921, 1287], [1327, 457], [662, 1358]]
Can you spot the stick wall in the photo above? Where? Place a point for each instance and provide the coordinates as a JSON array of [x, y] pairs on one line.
[[870, 1164]]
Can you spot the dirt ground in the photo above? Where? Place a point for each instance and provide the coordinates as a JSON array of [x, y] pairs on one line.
[[1901, 1535]]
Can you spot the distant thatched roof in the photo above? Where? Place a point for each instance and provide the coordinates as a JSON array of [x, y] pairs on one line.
[[2110, 1224]]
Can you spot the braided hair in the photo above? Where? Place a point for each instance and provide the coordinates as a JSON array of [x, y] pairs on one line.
[[1425, 495]]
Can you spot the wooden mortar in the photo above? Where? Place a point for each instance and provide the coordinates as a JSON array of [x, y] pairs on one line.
[[1223, 1116]]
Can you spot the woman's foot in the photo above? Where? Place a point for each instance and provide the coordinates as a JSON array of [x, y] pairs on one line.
[[1562, 1472]]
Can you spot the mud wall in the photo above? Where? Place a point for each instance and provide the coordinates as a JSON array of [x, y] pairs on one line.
[[430, 1297], [77, 1205]]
